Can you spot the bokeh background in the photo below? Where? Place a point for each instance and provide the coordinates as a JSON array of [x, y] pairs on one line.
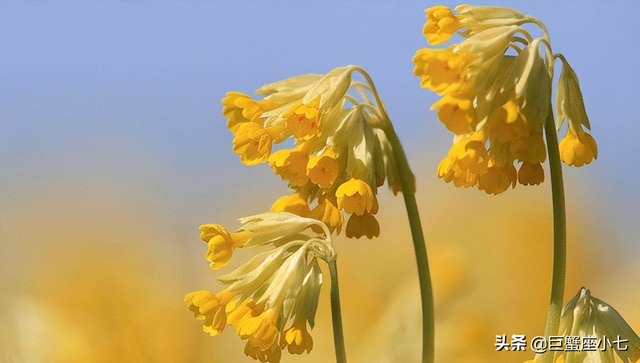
[[113, 151]]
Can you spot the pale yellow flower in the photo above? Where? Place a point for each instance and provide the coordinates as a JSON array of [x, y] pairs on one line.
[[273, 297]]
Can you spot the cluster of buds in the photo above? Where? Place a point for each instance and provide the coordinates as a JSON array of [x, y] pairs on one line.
[[340, 155], [273, 297], [496, 97]]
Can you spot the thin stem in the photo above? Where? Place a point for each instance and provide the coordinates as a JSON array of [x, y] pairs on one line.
[[336, 314], [559, 234], [407, 182], [424, 276]]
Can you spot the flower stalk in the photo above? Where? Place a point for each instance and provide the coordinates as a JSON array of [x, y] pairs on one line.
[[336, 314], [407, 182], [559, 234], [420, 249]]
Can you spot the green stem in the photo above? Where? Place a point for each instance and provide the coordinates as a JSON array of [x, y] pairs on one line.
[[336, 314], [407, 182], [420, 249], [559, 234]]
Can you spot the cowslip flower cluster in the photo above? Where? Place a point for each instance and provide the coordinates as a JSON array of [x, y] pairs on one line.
[[272, 298], [340, 154], [496, 97]]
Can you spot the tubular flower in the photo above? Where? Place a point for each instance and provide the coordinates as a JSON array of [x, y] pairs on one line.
[[441, 24], [272, 298], [599, 325], [577, 147], [339, 141], [221, 243], [496, 97]]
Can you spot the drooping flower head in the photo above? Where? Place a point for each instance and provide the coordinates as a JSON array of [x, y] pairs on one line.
[[341, 153], [496, 97], [272, 299]]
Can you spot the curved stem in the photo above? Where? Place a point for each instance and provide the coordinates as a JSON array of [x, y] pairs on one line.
[[336, 314], [420, 249], [407, 181], [559, 234]]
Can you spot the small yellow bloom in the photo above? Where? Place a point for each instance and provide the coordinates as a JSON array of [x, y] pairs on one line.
[[355, 196], [578, 148], [327, 212], [441, 24], [291, 165], [456, 114], [497, 178], [323, 169], [466, 160], [441, 70], [240, 108], [303, 119], [221, 243], [253, 142], [210, 308]]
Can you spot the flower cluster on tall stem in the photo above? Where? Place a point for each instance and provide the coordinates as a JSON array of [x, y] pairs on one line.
[[496, 96], [270, 300]]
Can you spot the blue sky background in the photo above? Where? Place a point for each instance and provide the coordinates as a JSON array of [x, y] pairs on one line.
[[88, 88], [123, 98]]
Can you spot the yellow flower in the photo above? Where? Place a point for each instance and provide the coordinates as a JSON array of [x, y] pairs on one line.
[[441, 24], [291, 165], [273, 297], [441, 70], [339, 135], [240, 108], [303, 119], [209, 307], [221, 243], [577, 147], [467, 159], [253, 142], [456, 114], [498, 177], [327, 212], [323, 169], [355, 196], [496, 96]]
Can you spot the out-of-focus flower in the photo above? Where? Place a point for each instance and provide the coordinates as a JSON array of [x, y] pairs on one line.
[[496, 96], [595, 321], [273, 297], [340, 155]]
